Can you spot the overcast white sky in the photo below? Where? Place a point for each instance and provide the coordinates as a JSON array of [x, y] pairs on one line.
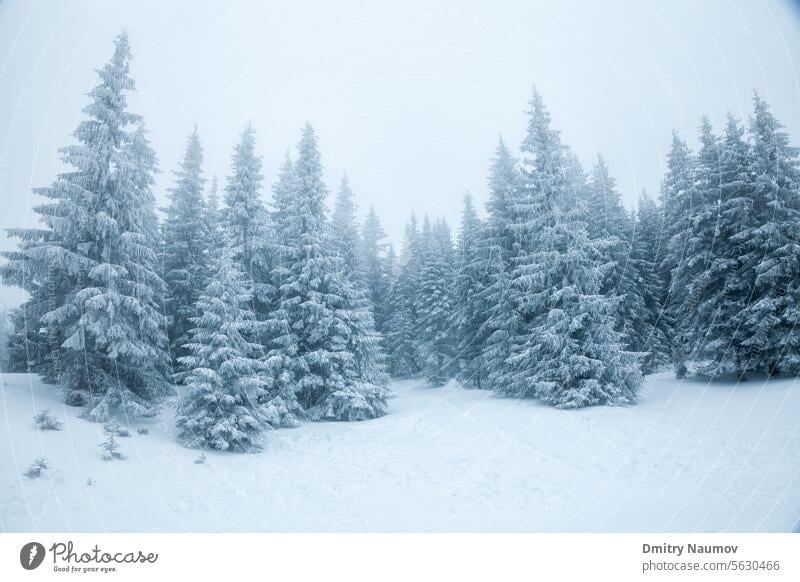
[[408, 97]]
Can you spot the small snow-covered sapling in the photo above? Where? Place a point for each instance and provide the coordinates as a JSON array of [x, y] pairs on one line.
[[36, 468], [44, 421], [110, 448]]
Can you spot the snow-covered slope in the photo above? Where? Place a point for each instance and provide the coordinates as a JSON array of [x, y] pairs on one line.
[[691, 456]]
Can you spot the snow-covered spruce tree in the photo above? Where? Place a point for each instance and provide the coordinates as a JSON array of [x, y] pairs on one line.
[[402, 318], [572, 356], [728, 280], [122, 306], [772, 317], [246, 222], [33, 348], [281, 406], [676, 208], [567, 352], [531, 209], [96, 253], [576, 183], [221, 408], [469, 309], [651, 336], [610, 226], [282, 189], [346, 238], [496, 246], [30, 346], [435, 326], [606, 215], [690, 279], [282, 193], [324, 345], [186, 239], [377, 269]]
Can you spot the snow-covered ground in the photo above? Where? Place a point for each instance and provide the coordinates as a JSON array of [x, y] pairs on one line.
[[691, 456]]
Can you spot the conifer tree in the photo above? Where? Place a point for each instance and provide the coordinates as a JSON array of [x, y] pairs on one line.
[[650, 335], [377, 269], [186, 239], [95, 257], [282, 190], [246, 222], [281, 406], [496, 247], [435, 343], [531, 211], [402, 320], [223, 372], [676, 208], [701, 244], [577, 186], [609, 225], [346, 237], [325, 348], [571, 356], [728, 280], [469, 310], [607, 216], [566, 351], [772, 316]]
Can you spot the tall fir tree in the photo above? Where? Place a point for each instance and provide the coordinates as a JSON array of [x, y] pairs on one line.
[[469, 308], [577, 185], [567, 352], [325, 351], [435, 342], [377, 269], [701, 242], [402, 319], [676, 208], [531, 210], [96, 258], [728, 281], [496, 247], [773, 313], [186, 231], [610, 226], [607, 215], [651, 336], [222, 408], [572, 356], [282, 189], [246, 222], [281, 406], [346, 236]]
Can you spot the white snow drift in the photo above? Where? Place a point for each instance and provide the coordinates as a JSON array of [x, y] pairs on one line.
[[692, 456]]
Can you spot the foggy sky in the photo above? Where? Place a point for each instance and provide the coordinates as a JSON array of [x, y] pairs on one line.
[[407, 97]]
